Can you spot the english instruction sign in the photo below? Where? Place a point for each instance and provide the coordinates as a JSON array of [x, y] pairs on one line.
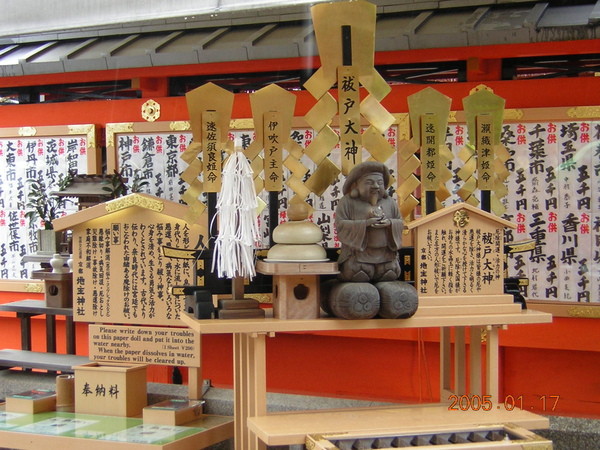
[[144, 345]]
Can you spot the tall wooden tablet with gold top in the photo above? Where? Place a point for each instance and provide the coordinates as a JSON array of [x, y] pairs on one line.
[[484, 157], [210, 108], [345, 35], [428, 110]]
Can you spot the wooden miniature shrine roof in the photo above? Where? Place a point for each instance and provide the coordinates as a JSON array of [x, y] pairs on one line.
[[457, 207], [144, 201]]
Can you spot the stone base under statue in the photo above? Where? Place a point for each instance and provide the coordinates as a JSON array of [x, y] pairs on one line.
[[363, 301]]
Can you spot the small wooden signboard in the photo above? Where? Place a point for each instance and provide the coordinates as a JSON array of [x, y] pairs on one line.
[[144, 345], [459, 255], [120, 274]]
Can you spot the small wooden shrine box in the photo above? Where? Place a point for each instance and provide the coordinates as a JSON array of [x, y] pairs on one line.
[[296, 291], [58, 287], [459, 253]]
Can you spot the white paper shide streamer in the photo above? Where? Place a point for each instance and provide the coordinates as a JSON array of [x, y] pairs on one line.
[[238, 221]]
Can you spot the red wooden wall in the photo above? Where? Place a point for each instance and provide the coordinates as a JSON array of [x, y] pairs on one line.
[[537, 361]]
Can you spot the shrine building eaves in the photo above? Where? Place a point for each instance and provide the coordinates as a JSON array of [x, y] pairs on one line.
[[287, 32]]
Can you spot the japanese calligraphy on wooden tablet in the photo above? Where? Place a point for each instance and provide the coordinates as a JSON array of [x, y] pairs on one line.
[[119, 272], [459, 252]]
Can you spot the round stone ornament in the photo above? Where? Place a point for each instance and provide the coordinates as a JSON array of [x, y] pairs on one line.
[[292, 252], [303, 232]]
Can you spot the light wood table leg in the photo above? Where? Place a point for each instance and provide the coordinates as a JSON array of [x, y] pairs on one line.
[[240, 412], [475, 380], [445, 364], [491, 365], [195, 383], [250, 387], [460, 361]]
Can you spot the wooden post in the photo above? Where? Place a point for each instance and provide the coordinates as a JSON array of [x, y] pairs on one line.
[[50, 333], [445, 364], [460, 361], [25, 330], [475, 381], [195, 382], [237, 288], [273, 215], [71, 334], [250, 386], [212, 224], [491, 370]]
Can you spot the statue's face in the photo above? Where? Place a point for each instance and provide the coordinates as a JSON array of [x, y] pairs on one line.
[[371, 185]]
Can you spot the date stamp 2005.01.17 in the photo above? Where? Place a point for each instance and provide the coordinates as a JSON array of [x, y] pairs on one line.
[[510, 402]]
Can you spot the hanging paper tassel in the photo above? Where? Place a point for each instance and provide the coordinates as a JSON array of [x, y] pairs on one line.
[[238, 222]]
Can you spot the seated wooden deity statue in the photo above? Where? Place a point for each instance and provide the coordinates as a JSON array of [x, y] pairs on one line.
[[369, 226]]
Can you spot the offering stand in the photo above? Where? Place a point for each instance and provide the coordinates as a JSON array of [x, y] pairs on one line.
[[254, 429]]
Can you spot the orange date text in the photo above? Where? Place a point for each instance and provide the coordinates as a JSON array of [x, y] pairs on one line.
[[510, 402]]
